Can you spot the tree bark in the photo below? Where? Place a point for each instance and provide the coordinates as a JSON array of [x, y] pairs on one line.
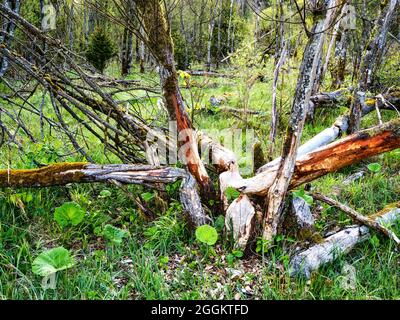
[[160, 43], [308, 69], [371, 61]]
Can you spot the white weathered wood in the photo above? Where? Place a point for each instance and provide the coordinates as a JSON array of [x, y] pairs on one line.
[[239, 220], [302, 213], [321, 139], [342, 242], [350, 179]]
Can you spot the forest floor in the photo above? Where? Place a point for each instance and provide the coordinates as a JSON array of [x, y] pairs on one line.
[[162, 259]]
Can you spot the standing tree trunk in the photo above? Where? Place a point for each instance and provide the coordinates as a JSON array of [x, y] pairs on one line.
[[126, 52], [7, 33], [339, 70], [210, 34], [371, 61], [160, 43], [70, 27]]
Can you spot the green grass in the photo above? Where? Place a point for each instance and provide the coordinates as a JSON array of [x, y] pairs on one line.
[[162, 259]]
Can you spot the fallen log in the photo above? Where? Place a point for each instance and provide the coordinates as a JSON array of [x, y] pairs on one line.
[[64, 173], [334, 156], [242, 111], [321, 139], [211, 74], [358, 217], [342, 242]]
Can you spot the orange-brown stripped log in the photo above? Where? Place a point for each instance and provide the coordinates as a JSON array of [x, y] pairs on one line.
[[347, 151]]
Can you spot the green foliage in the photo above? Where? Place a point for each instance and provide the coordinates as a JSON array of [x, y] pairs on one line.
[[70, 213], [100, 50], [105, 193], [302, 194], [374, 167], [207, 234], [167, 232], [231, 194], [147, 196], [233, 256], [219, 223], [52, 261], [181, 50], [114, 235]]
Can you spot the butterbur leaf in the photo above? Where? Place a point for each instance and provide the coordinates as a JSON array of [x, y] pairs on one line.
[[114, 234], [52, 261], [70, 213], [374, 167], [207, 234]]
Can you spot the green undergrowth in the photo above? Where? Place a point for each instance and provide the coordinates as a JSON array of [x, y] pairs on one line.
[[162, 259]]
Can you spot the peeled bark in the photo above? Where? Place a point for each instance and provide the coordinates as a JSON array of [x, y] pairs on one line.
[[160, 43], [239, 220], [330, 158]]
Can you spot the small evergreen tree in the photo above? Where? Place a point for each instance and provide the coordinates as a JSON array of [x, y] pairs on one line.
[[100, 50]]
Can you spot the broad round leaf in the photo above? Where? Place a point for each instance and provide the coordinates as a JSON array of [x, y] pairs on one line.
[[374, 167], [70, 213], [207, 234], [113, 234], [51, 261]]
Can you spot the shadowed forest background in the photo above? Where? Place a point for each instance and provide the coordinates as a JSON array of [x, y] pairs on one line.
[[288, 184]]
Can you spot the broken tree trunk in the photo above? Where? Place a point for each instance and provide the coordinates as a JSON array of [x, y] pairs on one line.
[[299, 220], [330, 158], [342, 242], [159, 41], [64, 173], [311, 61]]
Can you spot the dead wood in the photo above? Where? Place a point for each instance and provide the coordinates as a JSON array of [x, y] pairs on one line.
[[373, 224], [342, 242]]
